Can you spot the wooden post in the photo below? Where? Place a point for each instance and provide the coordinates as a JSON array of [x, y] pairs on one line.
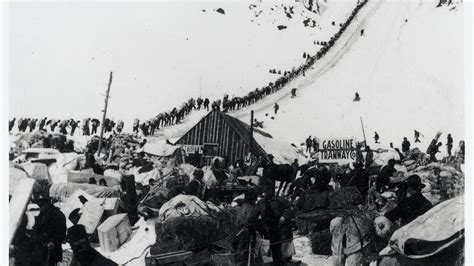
[[251, 130], [105, 114], [363, 131]]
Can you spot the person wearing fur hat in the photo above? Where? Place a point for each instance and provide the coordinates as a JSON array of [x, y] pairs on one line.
[[49, 232], [413, 205]]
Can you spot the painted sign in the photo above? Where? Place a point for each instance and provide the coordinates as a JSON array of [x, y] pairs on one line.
[[193, 149], [337, 150]]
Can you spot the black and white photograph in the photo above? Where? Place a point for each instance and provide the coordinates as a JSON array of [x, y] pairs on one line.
[[236, 132]]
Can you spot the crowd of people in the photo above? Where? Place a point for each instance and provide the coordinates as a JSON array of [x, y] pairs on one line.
[[90, 126], [260, 211]]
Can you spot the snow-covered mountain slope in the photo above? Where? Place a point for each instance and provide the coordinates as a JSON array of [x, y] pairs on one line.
[[407, 68]]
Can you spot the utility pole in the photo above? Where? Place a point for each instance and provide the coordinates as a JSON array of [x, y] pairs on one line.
[[251, 130], [363, 131], [105, 114], [199, 86]]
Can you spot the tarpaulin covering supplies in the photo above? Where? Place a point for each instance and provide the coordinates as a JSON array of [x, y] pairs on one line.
[[430, 233], [184, 205], [160, 149], [64, 190]]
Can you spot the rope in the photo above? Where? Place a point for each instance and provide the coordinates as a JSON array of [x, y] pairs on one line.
[[141, 254]]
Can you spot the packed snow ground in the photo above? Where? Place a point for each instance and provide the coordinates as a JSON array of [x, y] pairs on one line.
[[407, 68]]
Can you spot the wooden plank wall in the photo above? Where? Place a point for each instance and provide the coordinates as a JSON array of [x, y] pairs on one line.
[[214, 129]]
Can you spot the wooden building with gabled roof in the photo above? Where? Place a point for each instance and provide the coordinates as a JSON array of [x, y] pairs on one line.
[[219, 134]]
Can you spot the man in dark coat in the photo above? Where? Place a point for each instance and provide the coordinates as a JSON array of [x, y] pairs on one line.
[[199, 103], [11, 123], [383, 177], [42, 123], [84, 254], [369, 157], [413, 205], [405, 145], [73, 125], [195, 187], [315, 145], [376, 137], [95, 125], [276, 214], [276, 107], [49, 232], [309, 143], [206, 104], [295, 166], [417, 136], [32, 124], [449, 144], [434, 150]]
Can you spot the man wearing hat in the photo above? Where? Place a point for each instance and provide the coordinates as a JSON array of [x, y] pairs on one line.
[[84, 254], [413, 205], [49, 232], [247, 223], [385, 173], [276, 214]]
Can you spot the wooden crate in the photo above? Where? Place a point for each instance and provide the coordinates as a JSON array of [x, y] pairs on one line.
[[114, 232]]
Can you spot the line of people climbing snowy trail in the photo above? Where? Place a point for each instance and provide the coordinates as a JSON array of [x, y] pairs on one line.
[[177, 114]]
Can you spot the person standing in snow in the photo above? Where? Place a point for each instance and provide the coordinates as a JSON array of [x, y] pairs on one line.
[[199, 103], [308, 144], [42, 124], [293, 93], [136, 124], [369, 157], [85, 127], [295, 166], [120, 125], [357, 97], [276, 107], [315, 145], [11, 123], [359, 156], [376, 137], [49, 232], [417, 136], [95, 125], [206, 104], [32, 124], [449, 144], [73, 125], [362, 32], [405, 145], [434, 150]]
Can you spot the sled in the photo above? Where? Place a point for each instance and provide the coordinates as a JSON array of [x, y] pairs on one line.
[[18, 202]]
